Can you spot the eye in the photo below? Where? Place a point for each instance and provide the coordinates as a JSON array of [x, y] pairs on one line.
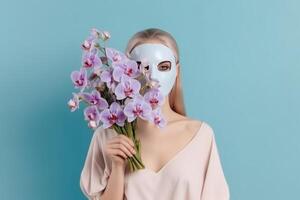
[[164, 66]]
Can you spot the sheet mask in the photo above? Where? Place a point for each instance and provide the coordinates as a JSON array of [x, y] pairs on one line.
[[151, 54]]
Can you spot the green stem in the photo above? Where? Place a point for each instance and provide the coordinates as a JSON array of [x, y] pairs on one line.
[[128, 129]]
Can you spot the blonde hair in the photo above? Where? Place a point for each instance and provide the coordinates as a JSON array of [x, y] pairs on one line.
[[176, 100]]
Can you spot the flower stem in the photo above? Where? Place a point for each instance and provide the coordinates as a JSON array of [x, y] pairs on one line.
[[134, 162]]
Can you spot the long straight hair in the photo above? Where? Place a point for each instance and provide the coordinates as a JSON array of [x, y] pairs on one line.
[[176, 100]]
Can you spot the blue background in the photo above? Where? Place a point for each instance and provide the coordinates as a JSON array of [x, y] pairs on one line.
[[240, 70]]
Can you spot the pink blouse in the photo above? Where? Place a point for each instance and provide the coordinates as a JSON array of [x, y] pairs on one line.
[[194, 173]]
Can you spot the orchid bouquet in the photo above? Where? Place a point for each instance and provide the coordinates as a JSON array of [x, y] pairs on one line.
[[116, 90]]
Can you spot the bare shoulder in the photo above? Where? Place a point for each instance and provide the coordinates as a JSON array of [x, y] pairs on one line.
[[192, 124]]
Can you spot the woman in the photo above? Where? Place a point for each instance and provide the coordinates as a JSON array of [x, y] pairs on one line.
[[181, 160]]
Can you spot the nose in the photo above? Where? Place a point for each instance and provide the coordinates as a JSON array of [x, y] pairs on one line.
[[152, 72]]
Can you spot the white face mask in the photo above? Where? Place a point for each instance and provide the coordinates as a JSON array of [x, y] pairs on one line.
[[151, 54]]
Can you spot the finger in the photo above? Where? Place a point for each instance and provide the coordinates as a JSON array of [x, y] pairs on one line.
[[123, 148], [128, 146], [124, 140], [128, 139], [119, 152], [121, 143]]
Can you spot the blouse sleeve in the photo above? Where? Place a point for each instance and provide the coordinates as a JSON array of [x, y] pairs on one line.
[[215, 186], [95, 173]]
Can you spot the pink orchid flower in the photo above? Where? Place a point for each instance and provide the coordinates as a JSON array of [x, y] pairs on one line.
[[114, 55], [125, 67], [79, 78], [157, 118], [74, 102], [137, 108], [128, 87], [92, 115], [154, 97], [114, 114], [91, 59], [94, 98]]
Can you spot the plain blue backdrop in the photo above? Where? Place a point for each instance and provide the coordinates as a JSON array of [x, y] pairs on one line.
[[240, 69]]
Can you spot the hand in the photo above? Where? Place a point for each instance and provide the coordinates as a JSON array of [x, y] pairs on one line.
[[119, 148]]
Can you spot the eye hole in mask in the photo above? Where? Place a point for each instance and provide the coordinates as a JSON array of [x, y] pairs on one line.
[[138, 64], [162, 66]]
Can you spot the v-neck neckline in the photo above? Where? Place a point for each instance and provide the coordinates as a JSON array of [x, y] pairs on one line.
[[183, 149]]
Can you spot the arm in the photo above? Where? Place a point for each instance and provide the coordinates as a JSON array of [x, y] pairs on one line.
[[98, 180], [215, 186], [115, 185]]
